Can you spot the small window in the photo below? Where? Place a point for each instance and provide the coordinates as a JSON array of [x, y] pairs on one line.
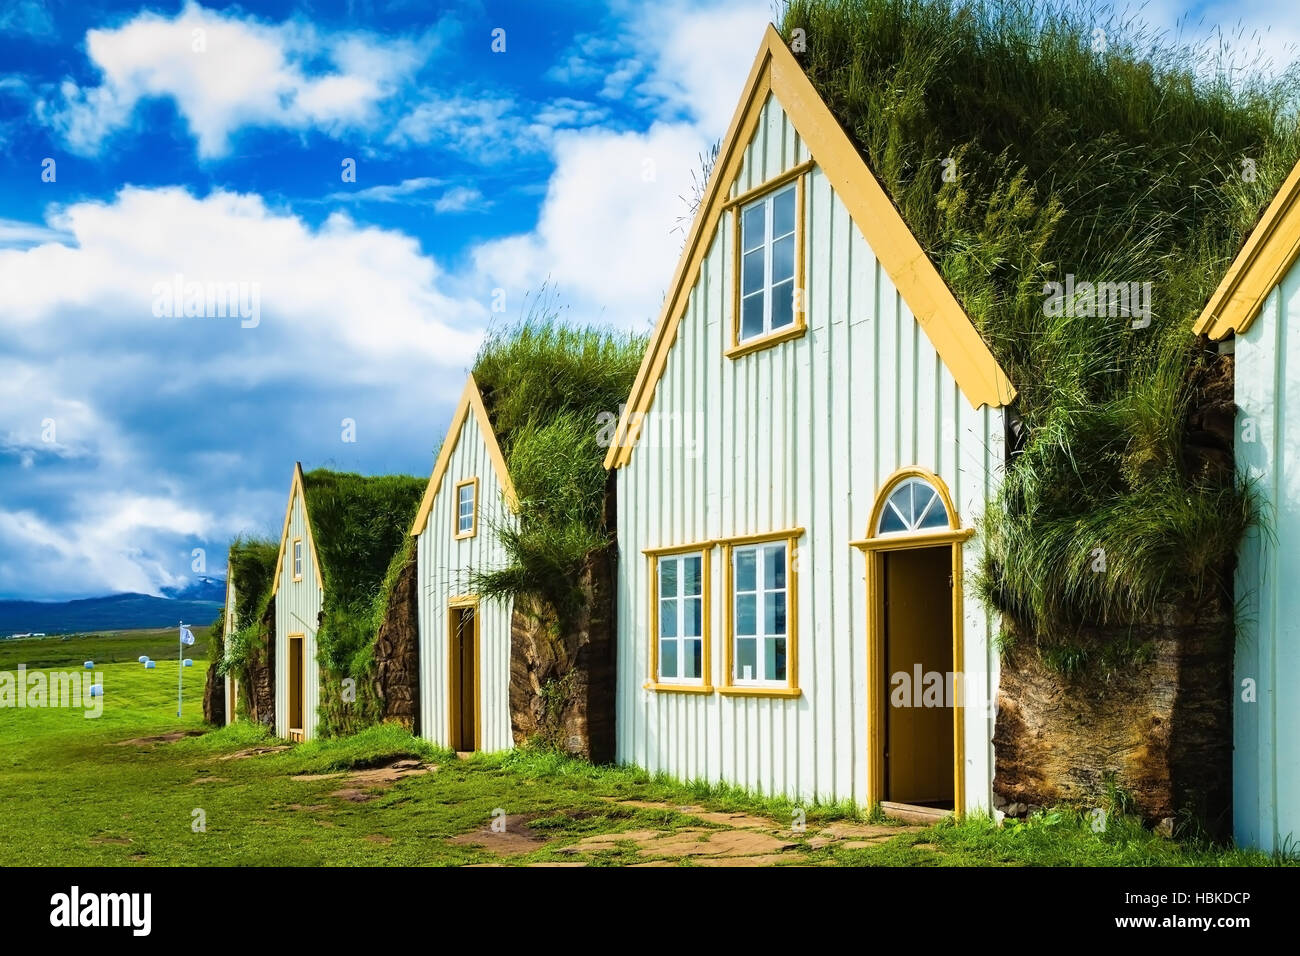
[[767, 264], [467, 508], [297, 559], [913, 506], [760, 627], [681, 618]]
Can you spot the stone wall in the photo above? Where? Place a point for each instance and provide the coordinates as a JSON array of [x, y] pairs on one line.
[[397, 653]]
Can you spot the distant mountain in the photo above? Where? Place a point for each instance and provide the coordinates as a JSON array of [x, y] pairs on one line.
[[116, 612], [201, 589]]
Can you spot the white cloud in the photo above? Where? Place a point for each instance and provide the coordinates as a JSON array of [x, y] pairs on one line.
[[389, 192], [458, 199], [356, 322], [606, 231], [604, 235], [27, 18], [224, 72], [342, 284], [14, 232], [113, 543]]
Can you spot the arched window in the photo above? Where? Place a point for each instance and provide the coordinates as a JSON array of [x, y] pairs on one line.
[[913, 505]]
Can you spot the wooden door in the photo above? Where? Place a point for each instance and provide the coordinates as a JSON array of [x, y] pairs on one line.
[[918, 677], [463, 668], [295, 688]]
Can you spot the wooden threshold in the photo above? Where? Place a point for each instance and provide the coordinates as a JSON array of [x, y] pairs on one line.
[[910, 813]]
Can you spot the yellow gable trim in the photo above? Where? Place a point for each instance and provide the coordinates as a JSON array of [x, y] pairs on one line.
[[296, 491], [471, 400], [945, 323], [1259, 268]]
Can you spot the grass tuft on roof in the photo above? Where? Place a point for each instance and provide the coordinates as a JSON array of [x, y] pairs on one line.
[[552, 391], [251, 567], [1083, 144], [360, 529]]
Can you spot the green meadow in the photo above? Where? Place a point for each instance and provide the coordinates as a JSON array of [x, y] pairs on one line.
[[130, 788]]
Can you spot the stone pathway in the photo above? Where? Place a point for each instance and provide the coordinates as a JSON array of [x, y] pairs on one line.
[[731, 839]]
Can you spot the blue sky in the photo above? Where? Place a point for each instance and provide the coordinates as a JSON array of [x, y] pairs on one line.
[[209, 141]]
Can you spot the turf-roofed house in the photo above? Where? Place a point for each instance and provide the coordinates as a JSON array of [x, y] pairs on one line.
[[810, 442], [242, 677], [1081, 200], [346, 647], [514, 547], [464, 641], [1254, 316]]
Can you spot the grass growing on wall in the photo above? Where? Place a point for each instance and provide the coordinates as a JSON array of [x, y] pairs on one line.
[[551, 391], [1112, 156], [251, 569], [360, 529]]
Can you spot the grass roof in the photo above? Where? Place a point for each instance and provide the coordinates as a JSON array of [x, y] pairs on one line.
[[358, 523], [1082, 145], [359, 526], [250, 567], [251, 570], [549, 389]]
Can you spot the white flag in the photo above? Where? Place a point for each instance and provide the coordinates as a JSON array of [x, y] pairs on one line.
[[186, 636]]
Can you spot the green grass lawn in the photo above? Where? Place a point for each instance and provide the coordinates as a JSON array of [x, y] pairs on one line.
[[72, 793]]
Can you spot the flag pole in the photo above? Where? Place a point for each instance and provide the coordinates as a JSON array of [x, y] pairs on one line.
[[180, 667]]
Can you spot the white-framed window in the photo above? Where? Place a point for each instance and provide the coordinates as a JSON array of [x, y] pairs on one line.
[[297, 559], [466, 508], [768, 250], [914, 505], [681, 615], [760, 605]]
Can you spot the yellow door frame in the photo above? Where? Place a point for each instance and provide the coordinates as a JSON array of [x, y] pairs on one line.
[[301, 638], [873, 547], [453, 673]]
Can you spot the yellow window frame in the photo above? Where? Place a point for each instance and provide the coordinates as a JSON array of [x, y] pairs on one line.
[[735, 348], [705, 550], [456, 533], [790, 538]]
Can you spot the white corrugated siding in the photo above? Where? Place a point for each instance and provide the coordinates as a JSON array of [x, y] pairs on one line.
[[443, 565], [799, 435], [297, 611], [1266, 755]]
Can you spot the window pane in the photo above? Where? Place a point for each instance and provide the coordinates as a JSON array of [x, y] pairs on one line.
[[746, 606], [668, 659], [774, 566], [783, 212], [774, 613], [693, 621], [692, 582], [783, 305], [668, 618], [745, 570], [890, 520], [782, 259], [746, 659], [754, 227], [692, 659], [753, 272], [774, 658], [936, 516], [668, 577], [751, 316]]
